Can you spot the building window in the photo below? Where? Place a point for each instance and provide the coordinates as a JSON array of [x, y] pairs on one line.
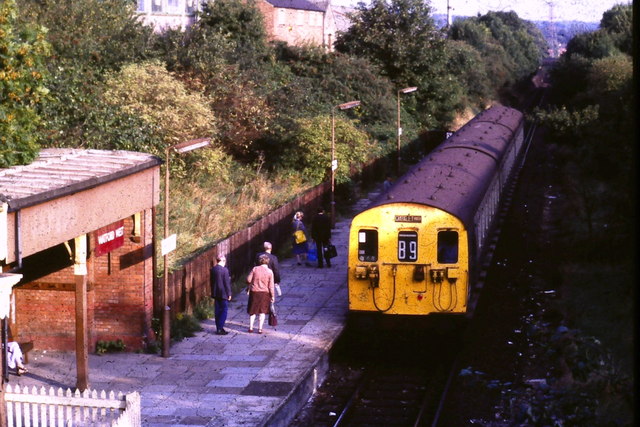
[[141, 6], [156, 6]]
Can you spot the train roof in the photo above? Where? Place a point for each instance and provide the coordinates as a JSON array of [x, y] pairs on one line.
[[455, 176]]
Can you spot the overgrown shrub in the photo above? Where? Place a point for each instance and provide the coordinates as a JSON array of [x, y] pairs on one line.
[[184, 326], [204, 309], [103, 347]]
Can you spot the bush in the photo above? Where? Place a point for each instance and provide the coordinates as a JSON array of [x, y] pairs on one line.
[[184, 326], [204, 309], [103, 347]]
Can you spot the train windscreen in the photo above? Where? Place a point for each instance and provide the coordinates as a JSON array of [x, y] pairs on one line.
[[368, 245]]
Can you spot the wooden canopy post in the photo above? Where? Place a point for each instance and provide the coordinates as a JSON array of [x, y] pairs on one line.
[[82, 340]]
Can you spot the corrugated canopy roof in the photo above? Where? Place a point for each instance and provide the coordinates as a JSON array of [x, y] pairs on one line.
[[58, 172]]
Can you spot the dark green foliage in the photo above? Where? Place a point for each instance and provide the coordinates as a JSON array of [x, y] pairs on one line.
[[184, 326], [400, 37], [239, 22], [512, 48], [467, 63], [204, 309], [98, 34], [23, 50], [594, 125], [596, 44], [103, 347], [618, 22], [89, 37]]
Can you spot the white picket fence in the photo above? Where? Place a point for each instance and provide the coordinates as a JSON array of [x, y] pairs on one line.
[[58, 408]]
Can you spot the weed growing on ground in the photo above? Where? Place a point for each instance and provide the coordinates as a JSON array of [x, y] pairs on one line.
[[184, 326], [103, 347]]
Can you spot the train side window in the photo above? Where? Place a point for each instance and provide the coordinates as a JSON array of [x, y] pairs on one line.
[[368, 245], [407, 246], [447, 247]]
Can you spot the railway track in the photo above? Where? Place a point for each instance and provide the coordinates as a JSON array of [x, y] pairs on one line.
[[399, 388]]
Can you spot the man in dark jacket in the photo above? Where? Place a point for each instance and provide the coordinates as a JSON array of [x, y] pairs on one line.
[[273, 261], [321, 233], [220, 292]]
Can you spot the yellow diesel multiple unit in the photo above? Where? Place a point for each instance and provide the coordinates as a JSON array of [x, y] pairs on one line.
[[416, 249]]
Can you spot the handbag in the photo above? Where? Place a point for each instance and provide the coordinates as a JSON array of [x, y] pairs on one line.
[[299, 236], [312, 253], [330, 251], [273, 318]]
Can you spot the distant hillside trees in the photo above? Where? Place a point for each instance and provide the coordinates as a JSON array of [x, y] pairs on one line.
[[512, 48]]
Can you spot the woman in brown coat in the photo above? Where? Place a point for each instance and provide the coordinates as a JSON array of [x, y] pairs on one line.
[[261, 292]]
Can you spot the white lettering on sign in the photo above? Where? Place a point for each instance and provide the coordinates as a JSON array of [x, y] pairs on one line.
[[111, 235]]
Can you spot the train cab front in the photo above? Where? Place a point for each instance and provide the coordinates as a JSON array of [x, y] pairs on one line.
[[411, 265]]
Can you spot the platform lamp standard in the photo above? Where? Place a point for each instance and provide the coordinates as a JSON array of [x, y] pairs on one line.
[[405, 90], [169, 244], [334, 162]]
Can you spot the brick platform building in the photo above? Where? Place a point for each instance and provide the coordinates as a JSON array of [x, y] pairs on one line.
[[78, 225]]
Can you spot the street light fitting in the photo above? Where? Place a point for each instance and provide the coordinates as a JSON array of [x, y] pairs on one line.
[[408, 89], [348, 105], [403, 90], [183, 147], [334, 162], [193, 144]]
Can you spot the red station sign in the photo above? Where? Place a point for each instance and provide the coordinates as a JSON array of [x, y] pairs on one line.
[[109, 238]]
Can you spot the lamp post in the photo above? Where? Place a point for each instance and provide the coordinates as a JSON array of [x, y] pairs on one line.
[[334, 162], [166, 319], [405, 90]]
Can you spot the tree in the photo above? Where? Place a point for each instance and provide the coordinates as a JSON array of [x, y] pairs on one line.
[[96, 34], [149, 91], [618, 21], [467, 63], [522, 41], [240, 22], [512, 47], [88, 39], [23, 50], [312, 156], [400, 37], [594, 44]]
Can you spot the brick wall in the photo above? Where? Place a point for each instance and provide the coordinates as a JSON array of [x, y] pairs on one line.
[[119, 297]]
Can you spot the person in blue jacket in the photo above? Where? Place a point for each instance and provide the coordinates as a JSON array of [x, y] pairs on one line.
[[220, 292]]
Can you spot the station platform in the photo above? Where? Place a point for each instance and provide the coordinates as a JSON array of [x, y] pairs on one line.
[[239, 379]]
